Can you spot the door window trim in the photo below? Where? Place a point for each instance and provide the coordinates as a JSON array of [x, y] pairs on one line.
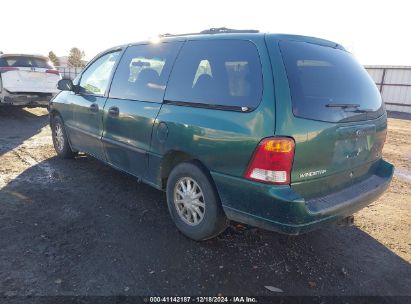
[[208, 106], [110, 79]]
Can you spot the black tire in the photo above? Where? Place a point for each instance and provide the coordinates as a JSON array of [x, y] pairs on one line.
[[214, 220], [61, 145]]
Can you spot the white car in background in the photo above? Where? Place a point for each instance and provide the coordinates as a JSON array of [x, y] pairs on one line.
[[27, 80]]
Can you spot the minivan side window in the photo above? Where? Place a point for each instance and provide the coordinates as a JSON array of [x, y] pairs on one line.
[[94, 80], [224, 73], [143, 72]]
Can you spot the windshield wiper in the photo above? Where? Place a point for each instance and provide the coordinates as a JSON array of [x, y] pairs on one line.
[[342, 105]]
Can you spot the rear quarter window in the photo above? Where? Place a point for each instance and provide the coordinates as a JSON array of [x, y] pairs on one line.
[[328, 84], [217, 73]]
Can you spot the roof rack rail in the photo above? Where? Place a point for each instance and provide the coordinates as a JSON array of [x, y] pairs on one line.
[[219, 30], [213, 30]]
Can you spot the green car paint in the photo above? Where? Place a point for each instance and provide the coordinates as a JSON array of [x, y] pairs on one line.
[[337, 169], [86, 126], [127, 137]]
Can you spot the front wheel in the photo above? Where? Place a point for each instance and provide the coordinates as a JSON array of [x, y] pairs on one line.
[[60, 139], [193, 203]]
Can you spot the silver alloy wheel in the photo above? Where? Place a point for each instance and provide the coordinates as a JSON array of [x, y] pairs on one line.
[[59, 136], [189, 201]]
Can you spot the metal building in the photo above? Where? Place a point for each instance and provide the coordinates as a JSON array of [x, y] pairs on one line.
[[394, 83]]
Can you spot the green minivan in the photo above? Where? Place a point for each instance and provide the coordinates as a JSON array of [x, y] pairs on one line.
[[281, 132]]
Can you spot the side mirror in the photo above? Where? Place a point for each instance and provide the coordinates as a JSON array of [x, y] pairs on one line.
[[65, 85]]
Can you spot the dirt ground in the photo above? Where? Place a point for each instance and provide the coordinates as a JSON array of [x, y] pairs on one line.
[[78, 227], [388, 220]]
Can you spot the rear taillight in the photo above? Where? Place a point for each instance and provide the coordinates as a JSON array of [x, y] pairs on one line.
[[272, 161], [8, 69], [55, 72]]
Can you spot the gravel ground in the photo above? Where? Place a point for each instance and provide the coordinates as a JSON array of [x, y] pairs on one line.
[[78, 227]]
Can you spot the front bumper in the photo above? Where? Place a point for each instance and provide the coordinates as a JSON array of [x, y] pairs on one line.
[[281, 209]]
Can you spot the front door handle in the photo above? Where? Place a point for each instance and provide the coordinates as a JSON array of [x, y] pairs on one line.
[[93, 107], [113, 111]]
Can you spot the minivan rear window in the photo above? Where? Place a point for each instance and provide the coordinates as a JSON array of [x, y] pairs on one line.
[[223, 74], [24, 62], [328, 84]]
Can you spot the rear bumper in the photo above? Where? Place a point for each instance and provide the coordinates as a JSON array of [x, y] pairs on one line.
[[26, 99], [281, 209]]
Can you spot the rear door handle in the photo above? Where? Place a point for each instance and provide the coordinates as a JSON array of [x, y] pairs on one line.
[[113, 111], [93, 107]]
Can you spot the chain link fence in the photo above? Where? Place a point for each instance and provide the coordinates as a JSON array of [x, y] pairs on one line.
[[68, 72]]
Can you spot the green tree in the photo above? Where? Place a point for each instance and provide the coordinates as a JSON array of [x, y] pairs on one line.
[[54, 59], [75, 58]]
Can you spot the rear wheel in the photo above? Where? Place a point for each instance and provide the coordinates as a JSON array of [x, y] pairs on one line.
[[60, 140], [193, 203]]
